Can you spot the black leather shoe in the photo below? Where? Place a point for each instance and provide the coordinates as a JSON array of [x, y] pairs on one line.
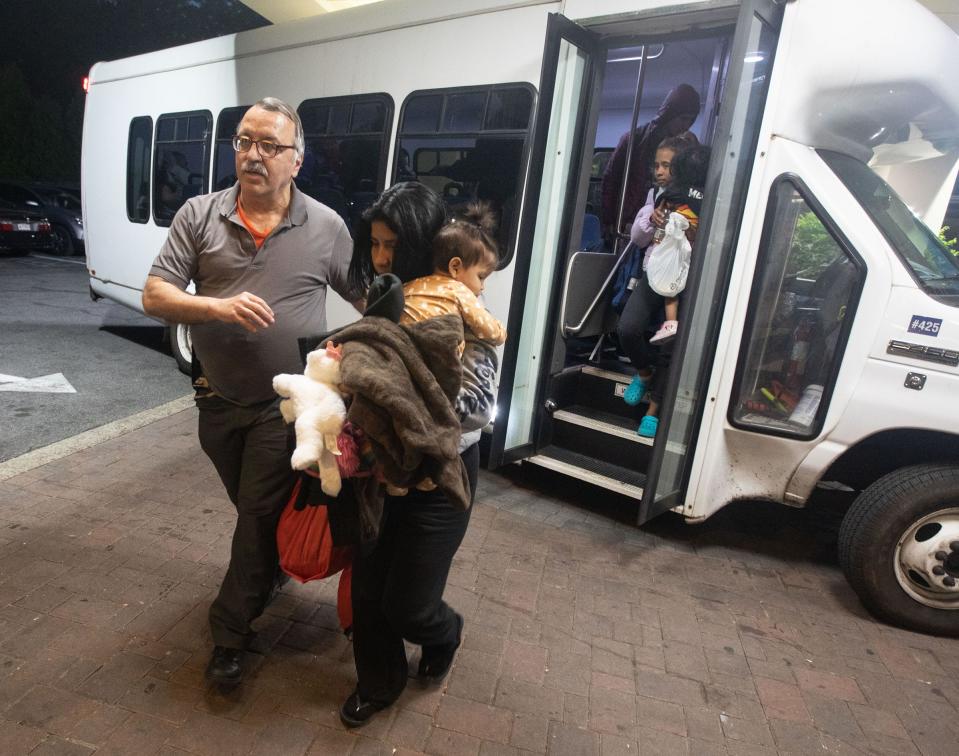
[[436, 661], [226, 666], [355, 712]]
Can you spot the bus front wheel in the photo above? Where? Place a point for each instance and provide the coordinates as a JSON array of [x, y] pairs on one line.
[[181, 344], [899, 548]]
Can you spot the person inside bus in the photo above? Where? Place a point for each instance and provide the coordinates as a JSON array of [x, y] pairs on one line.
[[682, 194], [261, 255], [174, 176], [491, 167], [677, 113], [642, 231], [398, 584]]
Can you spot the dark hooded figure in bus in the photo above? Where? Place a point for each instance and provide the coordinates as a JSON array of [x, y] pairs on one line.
[[677, 113]]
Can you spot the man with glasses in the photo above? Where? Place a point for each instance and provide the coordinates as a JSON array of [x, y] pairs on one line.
[[261, 255]]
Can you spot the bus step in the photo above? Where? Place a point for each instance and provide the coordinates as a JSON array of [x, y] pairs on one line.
[[624, 375], [603, 422], [601, 435], [602, 389], [599, 473]]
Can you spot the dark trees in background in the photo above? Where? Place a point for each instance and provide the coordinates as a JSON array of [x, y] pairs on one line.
[[39, 134], [48, 46]]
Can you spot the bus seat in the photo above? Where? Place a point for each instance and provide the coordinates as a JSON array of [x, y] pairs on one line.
[[592, 237], [586, 275]]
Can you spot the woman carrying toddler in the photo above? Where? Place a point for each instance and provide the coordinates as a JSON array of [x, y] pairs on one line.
[[398, 584]]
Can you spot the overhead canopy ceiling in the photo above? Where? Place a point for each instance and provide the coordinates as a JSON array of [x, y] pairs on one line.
[[947, 10], [278, 11]]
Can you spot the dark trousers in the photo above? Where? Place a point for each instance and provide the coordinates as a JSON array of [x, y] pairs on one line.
[[638, 315], [398, 586], [250, 448]]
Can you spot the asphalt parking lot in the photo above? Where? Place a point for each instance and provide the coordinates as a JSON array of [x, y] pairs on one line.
[[68, 364]]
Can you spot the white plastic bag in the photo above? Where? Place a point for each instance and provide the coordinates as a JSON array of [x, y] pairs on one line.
[[668, 263]]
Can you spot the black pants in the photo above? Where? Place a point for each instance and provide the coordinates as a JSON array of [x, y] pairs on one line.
[[250, 448], [398, 586], [641, 308]]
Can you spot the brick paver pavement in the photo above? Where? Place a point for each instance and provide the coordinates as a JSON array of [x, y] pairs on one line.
[[584, 634]]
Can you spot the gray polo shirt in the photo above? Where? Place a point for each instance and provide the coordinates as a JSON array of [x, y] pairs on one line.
[[308, 250]]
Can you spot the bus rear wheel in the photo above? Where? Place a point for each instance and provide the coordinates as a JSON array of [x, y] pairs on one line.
[[181, 344], [899, 548]]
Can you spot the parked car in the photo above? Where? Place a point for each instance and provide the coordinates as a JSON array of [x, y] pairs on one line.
[[23, 229], [61, 207]]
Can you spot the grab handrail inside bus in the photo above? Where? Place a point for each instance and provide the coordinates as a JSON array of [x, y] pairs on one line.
[[573, 330]]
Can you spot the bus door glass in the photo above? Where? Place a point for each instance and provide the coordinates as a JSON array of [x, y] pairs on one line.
[[548, 220], [737, 130]]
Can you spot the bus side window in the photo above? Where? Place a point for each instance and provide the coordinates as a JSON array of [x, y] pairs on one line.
[[468, 144], [139, 145], [181, 161], [805, 291], [344, 165], [224, 158]]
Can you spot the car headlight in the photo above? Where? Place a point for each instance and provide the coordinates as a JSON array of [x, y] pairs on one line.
[[79, 221]]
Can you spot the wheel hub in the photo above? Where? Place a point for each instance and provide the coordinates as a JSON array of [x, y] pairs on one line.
[[927, 560], [950, 561]]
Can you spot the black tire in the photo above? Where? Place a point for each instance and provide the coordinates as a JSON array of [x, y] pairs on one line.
[[62, 241], [181, 346], [870, 534]]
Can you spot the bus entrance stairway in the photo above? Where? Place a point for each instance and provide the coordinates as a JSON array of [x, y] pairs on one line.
[[589, 432]]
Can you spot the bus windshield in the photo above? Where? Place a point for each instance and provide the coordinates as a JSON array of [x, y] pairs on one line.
[[934, 267]]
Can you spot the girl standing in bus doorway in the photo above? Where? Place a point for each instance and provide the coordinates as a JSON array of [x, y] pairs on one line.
[[688, 169], [398, 583], [683, 195], [642, 231]]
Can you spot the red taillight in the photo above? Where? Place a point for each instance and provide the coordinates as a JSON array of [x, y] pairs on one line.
[[43, 227], [6, 226], [86, 84]]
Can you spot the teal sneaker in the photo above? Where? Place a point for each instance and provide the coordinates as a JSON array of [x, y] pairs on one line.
[[635, 391], [648, 426]]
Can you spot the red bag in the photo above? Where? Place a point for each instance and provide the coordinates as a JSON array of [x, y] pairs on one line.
[[305, 542]]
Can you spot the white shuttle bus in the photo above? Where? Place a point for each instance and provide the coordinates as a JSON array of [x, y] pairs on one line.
[[819, 336]]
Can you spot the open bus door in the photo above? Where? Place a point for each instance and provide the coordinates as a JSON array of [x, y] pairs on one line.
[[731, 165], [557, 160], [552, 213]]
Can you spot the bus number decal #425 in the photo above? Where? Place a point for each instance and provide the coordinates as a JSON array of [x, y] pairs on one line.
[[925, 326]]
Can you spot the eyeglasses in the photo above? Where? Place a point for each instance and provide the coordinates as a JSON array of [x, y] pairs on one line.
[[264, 147]]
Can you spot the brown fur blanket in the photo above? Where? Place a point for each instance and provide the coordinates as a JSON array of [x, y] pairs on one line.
[[404, 381]]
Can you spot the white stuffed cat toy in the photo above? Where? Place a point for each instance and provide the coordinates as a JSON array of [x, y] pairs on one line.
[[313, 402]]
